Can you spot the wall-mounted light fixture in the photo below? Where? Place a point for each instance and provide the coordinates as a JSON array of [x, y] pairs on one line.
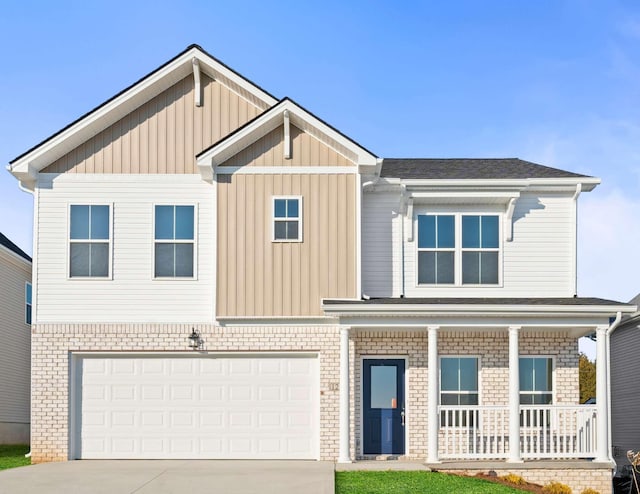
[[195, 342]]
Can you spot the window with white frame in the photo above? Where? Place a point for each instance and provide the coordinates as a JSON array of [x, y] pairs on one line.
[[536, 380], [27, 303], [436, 249], [458, 388], [174, 241], [480, 249], [89, 241], [287, 219], [458, 249]]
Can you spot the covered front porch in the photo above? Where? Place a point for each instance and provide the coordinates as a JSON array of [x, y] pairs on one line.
[[500, 410]]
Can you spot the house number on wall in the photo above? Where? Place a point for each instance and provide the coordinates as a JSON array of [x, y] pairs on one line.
[[334, 386]]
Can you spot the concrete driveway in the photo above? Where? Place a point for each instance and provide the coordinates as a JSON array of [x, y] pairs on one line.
[[170, 476]]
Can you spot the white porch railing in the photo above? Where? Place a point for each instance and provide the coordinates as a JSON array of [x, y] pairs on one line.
[[546, 431]]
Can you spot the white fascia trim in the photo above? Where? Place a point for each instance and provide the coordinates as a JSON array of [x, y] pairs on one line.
[[392, 309], [286, 170], [568, 183], [272, 119], [116, 109], [16, 257]]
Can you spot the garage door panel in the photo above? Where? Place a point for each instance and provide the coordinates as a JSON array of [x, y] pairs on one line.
[[245, 408]]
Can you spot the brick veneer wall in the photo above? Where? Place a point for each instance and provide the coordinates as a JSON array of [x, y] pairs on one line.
[[52, 344], [492, 348], [578, 479], [50, 373]]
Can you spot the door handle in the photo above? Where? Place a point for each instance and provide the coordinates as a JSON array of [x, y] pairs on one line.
[[402, 416]]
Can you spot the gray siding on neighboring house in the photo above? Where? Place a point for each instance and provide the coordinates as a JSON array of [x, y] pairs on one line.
[[15, 348], [625, 390]]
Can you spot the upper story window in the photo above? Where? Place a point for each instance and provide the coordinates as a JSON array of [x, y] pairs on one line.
[[27, 303], [174, 243], [536, 380], [287, 219], [436, 249], [89, 239], [458, 249]]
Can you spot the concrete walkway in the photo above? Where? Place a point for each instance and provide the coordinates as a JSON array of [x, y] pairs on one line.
[[170, 477]]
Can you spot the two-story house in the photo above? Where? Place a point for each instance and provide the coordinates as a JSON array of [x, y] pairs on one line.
[[15, 341], [221, 274]]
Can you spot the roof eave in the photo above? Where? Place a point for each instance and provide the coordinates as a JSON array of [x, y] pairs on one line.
[[588, 183], [355, 309], [221, 151], [117, 107]]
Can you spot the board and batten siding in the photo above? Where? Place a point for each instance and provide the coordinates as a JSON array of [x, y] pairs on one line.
[[163, 135], [625, 391], [306, 150], [15, 343], [131, 294], [538, 262], [258, 277]]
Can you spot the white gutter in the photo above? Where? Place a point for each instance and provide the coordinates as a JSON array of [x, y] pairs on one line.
[[614, 325]]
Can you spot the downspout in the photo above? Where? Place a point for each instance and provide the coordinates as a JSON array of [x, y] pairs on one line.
[[614, 325], [28, 191], [575, 238]]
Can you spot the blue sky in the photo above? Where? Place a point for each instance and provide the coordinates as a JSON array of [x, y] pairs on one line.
[[553, 81]]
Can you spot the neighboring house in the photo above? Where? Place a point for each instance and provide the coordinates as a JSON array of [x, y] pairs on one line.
[[221, 274], [625, 386], [15, 343]]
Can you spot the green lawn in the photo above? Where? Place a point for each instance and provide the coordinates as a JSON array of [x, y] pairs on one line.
[[389, 482], [12, 455]]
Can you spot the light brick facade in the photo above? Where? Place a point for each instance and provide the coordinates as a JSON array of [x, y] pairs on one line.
[[578, 478], [491, 347], [53, 344]]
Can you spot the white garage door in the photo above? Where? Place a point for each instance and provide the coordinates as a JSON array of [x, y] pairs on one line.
[[249, 407]]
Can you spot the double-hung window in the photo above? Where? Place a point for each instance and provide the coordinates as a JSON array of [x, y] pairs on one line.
[[436, 249], [458, 387], [174, 241], [89, 241], [458, 249], [287, 219], [536, 380], [27, 303], [480, 250]]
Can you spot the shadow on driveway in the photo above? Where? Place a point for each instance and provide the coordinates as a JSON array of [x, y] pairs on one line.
[[170, 476]]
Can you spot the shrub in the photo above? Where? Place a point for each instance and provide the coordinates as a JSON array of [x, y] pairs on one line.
[[589, 491], [514, 479], [556, 488]]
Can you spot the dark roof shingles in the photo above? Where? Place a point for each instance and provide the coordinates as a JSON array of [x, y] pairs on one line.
[[568, 301], [469, 168], [4, 241]]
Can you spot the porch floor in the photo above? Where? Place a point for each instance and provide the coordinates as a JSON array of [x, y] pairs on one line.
[[480, 465]]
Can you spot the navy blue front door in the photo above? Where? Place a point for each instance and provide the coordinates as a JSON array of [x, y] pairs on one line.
[[383, 406]]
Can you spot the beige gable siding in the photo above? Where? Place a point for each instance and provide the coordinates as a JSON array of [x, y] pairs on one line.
[[258, 277], [15, 342], [164, 134], [306, 150]]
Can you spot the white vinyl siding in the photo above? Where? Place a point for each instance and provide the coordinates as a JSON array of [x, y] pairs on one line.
[[538, 262], [15, 335], [131, 294], [381, 244]]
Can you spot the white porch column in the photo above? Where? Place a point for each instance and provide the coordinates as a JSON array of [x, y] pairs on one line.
[[602, 446], [514, 396], [432, 395], [344, 455]]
